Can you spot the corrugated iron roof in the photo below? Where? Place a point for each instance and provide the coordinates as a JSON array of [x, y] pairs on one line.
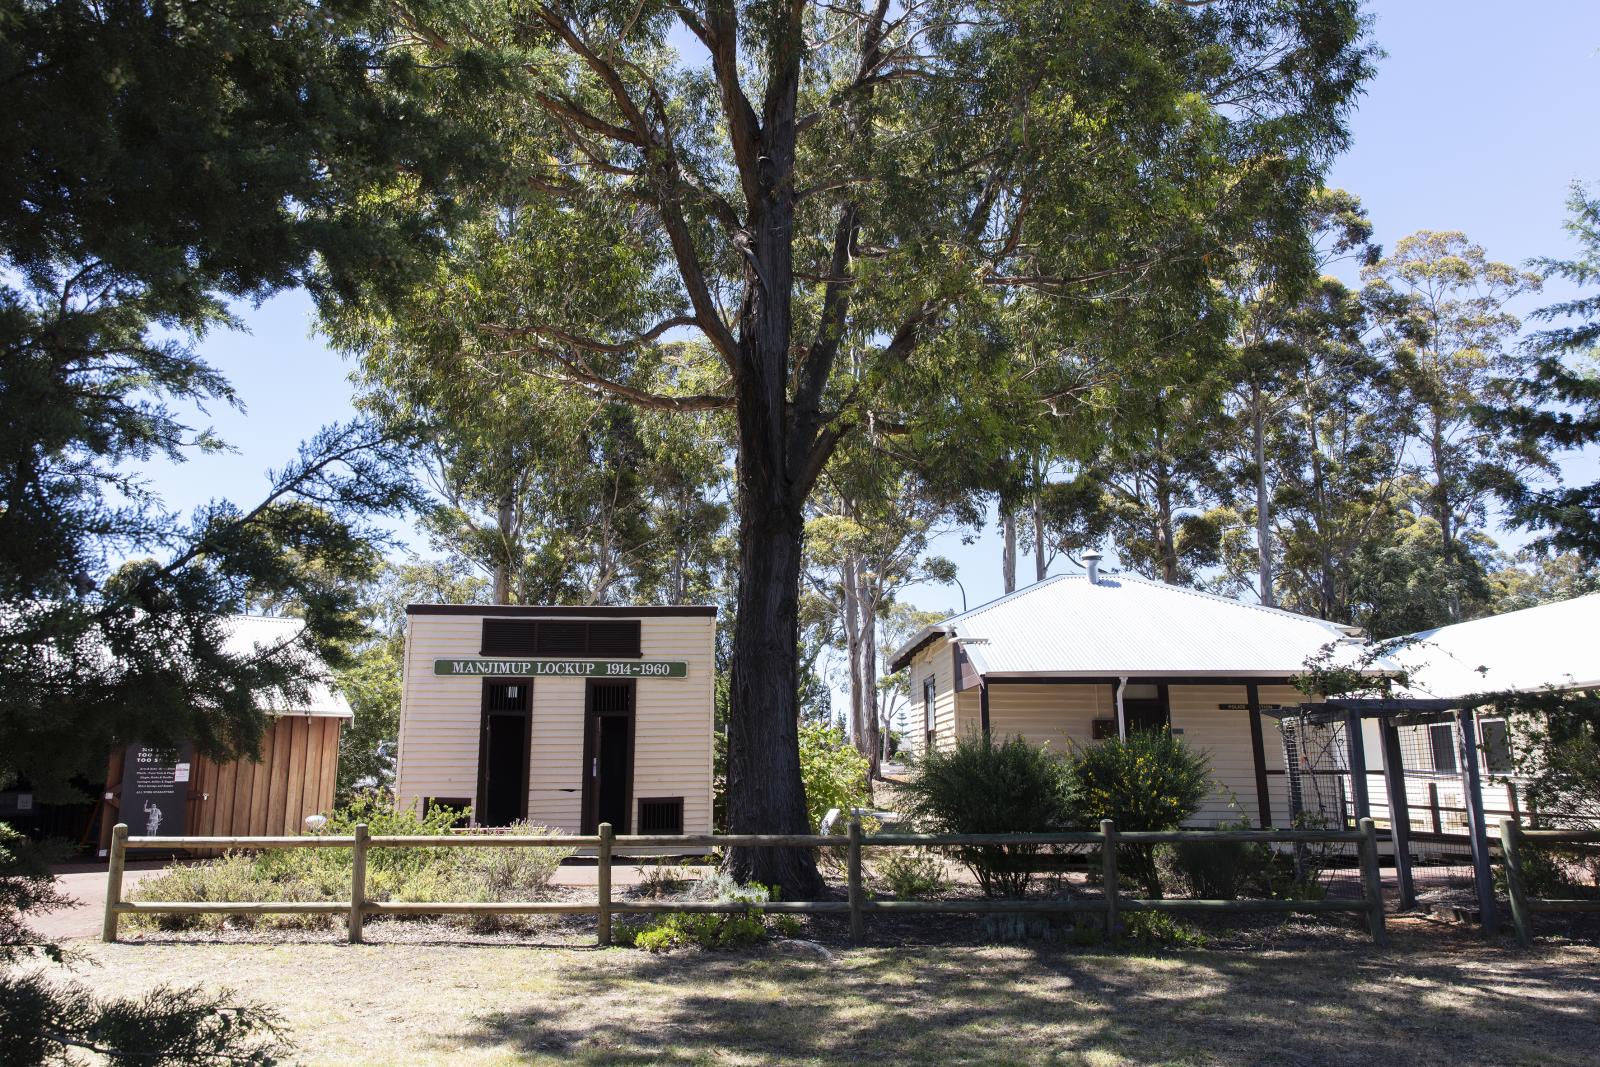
[[249, 634], [1122, 625], [1554, 645]]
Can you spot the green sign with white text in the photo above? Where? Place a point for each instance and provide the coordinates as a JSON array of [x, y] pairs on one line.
[[561, 668]]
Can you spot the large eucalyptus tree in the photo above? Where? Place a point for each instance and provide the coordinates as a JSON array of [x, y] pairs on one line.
[[791, 182]]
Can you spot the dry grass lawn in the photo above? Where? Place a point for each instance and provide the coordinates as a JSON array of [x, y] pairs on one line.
[[1429, 1000]]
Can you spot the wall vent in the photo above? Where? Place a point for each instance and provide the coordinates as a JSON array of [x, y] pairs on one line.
[[661, 815]]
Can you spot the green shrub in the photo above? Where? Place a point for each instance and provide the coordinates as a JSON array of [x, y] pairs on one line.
[[1546, 872], [911, 874], [235, 876], [1151, 781], [515, 873], [1153, 929], [1219, 870], [310, 874], [834, 773], [787, 925], [711, 930], [980, 787]]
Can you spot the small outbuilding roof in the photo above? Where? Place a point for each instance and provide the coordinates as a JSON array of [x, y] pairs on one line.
[[249, 634], [1555, 645], [1122, 626]]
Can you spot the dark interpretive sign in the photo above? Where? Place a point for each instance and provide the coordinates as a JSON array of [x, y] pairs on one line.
[[155, 790]]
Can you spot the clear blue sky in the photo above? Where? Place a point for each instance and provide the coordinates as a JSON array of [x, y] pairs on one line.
[[1481, 116]]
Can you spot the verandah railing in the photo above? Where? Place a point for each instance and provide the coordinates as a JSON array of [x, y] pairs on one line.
[[856, 905]]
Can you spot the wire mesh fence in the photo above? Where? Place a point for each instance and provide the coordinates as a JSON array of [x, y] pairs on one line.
[[1427, 794]]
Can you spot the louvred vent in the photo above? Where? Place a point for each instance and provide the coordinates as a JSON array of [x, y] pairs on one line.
[[619, 639], [510, 637], [563, 638], [661, 815]]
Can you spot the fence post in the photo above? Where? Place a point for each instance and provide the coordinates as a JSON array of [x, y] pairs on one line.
[[117, 859], [358, 885], [1433, 806], [1108, 875], [602, 919], [1372, 881], [1516, 889], [858, 931]]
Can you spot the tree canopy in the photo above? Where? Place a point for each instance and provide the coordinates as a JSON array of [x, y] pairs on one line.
[[132, 211], [804, 189]]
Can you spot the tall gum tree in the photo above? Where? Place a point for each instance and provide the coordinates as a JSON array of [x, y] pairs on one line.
[[789, 181]]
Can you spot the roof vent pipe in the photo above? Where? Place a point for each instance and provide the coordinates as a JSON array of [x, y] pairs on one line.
[[1091, 563]]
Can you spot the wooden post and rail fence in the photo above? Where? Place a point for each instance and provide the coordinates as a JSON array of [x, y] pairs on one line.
[[856, 905], [1513, 841]]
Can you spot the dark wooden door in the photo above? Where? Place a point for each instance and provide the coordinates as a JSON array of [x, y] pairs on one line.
[[504, 753], [608, 756]]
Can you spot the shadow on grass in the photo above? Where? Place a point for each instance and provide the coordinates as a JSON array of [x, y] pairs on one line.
[[1020, 1005]]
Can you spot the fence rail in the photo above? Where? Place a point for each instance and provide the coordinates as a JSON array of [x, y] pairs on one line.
[[1513, 838], [856, 905]]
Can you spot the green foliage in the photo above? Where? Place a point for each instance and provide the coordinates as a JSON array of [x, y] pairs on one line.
[[169, 1026], [1151, 781], [402, 874], [45, 1021], [979, 786], [1228, 870], [834, 773], [1557, 752], [131, 216], [1157, 929], [26, 885], [708, 930], [911, 874], [1527, 579], [1550, 872], [1554, 404]]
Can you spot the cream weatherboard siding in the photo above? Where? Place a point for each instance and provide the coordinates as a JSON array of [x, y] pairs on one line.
[[673, 722], [1061, 716], [937, 660], [1224, 735]]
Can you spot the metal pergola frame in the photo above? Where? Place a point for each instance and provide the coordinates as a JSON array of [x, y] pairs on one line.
[[1391, 713]]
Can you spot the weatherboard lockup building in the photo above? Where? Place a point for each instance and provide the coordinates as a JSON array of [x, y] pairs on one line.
[[566, 717]]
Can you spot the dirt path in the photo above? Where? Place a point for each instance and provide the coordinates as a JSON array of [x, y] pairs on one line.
[[1419, 1004]]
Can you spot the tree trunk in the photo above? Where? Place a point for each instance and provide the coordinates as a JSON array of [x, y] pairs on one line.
[[779, 455], [1166, 535], [1319, 498], [1444, 508], [504, 524], [849, 584], [1040, 564], [1008, 554], [866, 602], [765, 795], [1263, 507]]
